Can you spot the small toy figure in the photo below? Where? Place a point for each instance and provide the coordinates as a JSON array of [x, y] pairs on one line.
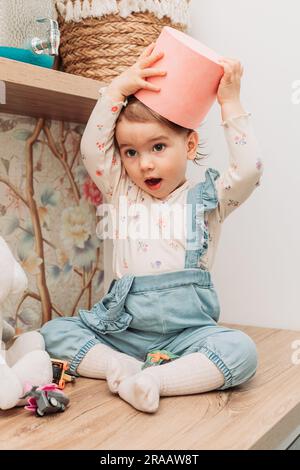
[[60, 373], [158, 357], [46, 400]]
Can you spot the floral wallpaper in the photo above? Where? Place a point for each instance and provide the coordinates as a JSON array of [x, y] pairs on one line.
[[48, 217]]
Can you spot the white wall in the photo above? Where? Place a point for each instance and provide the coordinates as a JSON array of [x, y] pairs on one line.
[[256, 271]]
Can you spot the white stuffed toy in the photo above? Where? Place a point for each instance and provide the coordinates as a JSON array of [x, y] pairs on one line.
[[26, 362]]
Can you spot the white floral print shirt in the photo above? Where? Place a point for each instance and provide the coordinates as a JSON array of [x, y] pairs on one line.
[[135, 252]]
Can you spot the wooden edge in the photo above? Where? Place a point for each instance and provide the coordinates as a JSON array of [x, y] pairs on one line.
[[282, 434], [13, 71]]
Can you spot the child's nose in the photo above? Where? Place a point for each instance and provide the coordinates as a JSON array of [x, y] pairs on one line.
[[146, 162]]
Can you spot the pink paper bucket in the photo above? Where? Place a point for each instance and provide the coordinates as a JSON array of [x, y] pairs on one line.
[[190, 87]]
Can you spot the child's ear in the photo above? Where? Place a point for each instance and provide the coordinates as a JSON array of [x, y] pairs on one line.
[[192, 142]]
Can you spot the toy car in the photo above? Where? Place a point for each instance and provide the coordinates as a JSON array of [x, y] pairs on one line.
[[46, 400]]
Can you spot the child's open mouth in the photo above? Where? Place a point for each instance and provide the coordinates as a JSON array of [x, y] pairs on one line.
[[153, 183]]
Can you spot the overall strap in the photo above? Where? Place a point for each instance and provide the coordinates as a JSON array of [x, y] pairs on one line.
[[200, 199]]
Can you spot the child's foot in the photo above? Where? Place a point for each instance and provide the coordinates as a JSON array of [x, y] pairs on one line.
[[120, 367], [141, 391]]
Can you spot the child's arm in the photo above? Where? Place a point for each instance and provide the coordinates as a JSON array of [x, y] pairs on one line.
[[245, 167], [97, 144], [100, 156]]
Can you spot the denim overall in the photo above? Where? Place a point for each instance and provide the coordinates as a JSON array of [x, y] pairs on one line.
[[176, 311]]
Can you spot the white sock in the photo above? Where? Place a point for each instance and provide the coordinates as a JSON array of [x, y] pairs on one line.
[[190, 374], [103, 362], [120, 368], [25, 343]]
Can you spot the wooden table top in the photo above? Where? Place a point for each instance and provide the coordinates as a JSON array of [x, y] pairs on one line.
[[261, 414]]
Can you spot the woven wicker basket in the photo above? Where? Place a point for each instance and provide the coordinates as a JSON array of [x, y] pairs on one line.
[[101, 38]]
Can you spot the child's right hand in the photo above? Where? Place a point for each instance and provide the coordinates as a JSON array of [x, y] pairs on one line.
[[133, 78]]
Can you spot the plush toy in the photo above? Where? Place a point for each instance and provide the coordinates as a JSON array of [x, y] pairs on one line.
[[26, 362]]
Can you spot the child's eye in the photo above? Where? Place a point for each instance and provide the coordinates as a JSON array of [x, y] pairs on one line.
[[130, 150], [132, 153], [158, 146]]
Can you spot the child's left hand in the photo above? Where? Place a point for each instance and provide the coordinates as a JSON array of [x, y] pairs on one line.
[[230, 84]]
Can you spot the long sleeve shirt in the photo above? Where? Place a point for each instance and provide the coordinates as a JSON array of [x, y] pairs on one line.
[[143, 255]]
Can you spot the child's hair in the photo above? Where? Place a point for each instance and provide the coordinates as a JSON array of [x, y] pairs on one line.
[[136, 111]]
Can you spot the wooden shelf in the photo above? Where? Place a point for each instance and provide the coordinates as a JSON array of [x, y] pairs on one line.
[[41, 92], [263, 413]]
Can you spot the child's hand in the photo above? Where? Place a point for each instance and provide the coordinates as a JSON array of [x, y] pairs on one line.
[[133, 78], [230, 84]]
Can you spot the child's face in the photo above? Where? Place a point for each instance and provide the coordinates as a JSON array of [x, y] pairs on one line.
[[153, 150]]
